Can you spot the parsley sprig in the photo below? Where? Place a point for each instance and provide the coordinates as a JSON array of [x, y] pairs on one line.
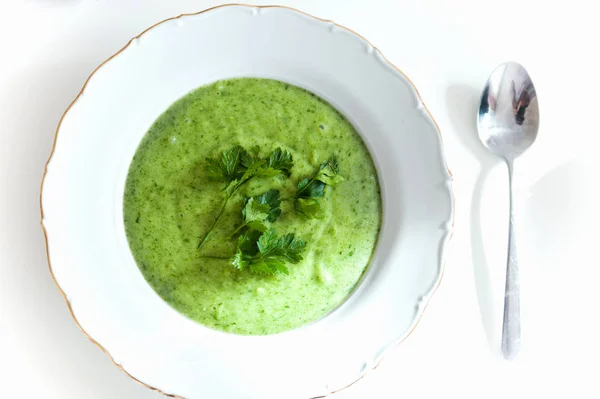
[[310, 190]]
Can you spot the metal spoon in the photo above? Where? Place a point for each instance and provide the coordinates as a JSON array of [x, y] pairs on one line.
[[508, 123]]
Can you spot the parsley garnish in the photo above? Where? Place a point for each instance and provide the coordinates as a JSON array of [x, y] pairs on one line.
[[236, 166], [266, 253], [259, 248]]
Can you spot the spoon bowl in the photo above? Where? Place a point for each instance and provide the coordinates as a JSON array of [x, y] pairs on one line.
[[508, 122], [508, 117]]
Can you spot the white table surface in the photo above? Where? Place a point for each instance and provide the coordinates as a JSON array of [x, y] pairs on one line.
[[448, 48]]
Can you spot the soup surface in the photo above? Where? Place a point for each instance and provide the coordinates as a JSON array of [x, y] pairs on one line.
[[170, 203]]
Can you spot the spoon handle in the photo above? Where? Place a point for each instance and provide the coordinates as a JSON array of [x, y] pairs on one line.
[[511, 328]]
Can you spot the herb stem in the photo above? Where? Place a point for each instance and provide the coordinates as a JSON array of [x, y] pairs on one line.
[[214, 222], [240, 184], [212, 226], [236, 230]]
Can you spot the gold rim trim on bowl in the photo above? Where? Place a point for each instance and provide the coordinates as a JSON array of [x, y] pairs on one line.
[[431, 292]]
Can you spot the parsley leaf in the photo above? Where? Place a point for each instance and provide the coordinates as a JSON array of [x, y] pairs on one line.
[[286, 247], [280, 160], [227, 167], [267, 253], [328, 173], [310, 190], [246, 249], [253, 169], [309, 207], [259, 210], [272, 198], [247, 242], [252, 162], [250, 157], [254, 215]]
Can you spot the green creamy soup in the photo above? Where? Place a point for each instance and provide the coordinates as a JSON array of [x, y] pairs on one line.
[[170, 203]]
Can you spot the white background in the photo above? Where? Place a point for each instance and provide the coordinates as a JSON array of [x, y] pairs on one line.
[[447, 48]]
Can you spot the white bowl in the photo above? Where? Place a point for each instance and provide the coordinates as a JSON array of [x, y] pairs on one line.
[[85, 177]]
